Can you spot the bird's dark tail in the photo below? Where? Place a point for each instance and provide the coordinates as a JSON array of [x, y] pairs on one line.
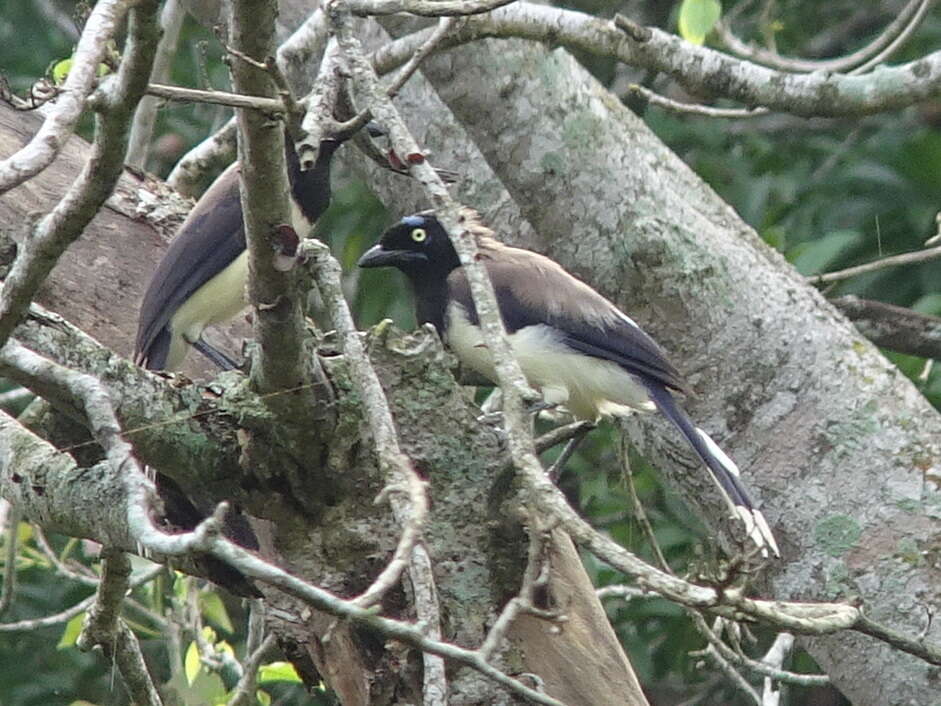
[[723, 469]]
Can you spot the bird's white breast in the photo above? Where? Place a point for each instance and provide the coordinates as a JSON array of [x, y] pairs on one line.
[[219, 299], [588, 386]]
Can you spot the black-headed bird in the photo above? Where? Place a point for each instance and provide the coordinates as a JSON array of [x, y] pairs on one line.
[[573, 345], [201, 279]]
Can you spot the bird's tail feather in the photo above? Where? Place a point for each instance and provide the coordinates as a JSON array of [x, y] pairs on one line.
[[721, 467]]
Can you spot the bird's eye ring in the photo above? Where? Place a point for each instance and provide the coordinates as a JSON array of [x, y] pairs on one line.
[[419, 235]]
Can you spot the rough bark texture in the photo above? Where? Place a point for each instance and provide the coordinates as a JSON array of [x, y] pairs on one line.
[[839, 445]]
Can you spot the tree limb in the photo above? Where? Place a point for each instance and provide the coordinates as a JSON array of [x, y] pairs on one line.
[[893, 327], [281, 363], [699, 69], [901, 22]]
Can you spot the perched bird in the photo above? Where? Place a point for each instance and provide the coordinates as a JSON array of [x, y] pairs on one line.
[[573, 345], [201, 279]]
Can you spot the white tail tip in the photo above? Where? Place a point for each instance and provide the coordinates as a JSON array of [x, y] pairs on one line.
[[756, 526]]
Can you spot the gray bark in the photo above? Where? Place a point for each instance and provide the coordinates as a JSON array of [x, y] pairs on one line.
[[841, 448]]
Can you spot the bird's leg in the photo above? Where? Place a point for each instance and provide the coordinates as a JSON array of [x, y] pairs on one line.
[[574, 433], [555, 470], [493, 414], [216, 356]]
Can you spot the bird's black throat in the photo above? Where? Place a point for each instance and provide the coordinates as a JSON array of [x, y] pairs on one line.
[[431, 299]]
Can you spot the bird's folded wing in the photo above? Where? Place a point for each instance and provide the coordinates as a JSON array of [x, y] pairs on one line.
[[531, 290]]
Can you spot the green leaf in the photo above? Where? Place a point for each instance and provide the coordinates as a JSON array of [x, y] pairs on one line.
[[697, 18], [60, 70], [277, 671], [817, 256], [264, 698], [24, 532], [191, 663], [71, 632], [928, 304], [213, 609]]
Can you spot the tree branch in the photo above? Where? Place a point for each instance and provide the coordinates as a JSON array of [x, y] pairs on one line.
[[396, 467], [279, 327], [269, 106], [893, 327], [142, 131], [909, 258], [424, 8], [104, 628], [698, 68], [901, 23]]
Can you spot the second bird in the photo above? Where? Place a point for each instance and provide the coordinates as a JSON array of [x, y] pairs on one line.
[[201, 279], [571, 343]]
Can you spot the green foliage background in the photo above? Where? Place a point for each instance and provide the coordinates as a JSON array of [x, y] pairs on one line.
[[826, 193]]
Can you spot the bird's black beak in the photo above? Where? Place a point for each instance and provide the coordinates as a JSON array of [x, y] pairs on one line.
[[377, 256]]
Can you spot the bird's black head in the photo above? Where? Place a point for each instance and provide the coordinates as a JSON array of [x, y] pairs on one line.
[[417, 245]]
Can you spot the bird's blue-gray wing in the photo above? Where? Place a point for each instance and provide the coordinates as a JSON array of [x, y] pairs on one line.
[[532, 290]]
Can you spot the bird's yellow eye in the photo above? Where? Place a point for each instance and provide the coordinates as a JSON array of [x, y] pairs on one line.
[[419, 235]]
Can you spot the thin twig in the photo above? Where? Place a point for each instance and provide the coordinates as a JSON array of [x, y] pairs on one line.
[[711, 653], [535, 575], [909, 258], [896, 43], [445, 26], [764, 667], [641, 515], [556, 436], [244, 694], [89, 579], [899, 24], [424, 8], [12, 528], [66, 615], [269, 106], [695, 108]]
